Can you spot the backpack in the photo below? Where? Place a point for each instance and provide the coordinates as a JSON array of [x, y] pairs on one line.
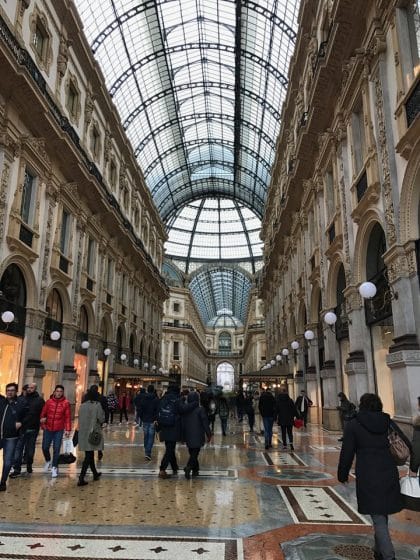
[[167, 413]]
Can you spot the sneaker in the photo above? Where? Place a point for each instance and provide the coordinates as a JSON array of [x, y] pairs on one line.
[[15, 474], [54, 472], [97, 476], [148, 458], [47, 466], [82, 482], [163, 474], [2, 486]]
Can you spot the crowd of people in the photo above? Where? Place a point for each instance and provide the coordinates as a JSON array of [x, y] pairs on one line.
[[189, 417]]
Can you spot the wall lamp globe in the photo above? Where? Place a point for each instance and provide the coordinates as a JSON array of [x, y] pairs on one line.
[[309, 335], [367, 290], [161, 371], [285, 352], [136, 362], [85, 344], [273, 363], [55, 335], [295, 345], [145, 365], [278, 358], [7, 317], [107, 352], [154, 368], [330, 318], [123, 357]]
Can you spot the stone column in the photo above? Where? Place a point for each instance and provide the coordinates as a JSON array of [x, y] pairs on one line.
[[34, 331], [69, 373], [330, 415]]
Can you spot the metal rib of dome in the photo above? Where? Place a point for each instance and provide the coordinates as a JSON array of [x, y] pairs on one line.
[[199, 86]]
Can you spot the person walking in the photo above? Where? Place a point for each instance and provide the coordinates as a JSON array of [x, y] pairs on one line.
[[91, 418], [249, 411], [33, 405], [303, 402], [148, 417], [171, 408], [138, 402], [267, 408], [346, 409], [286, 413], [377, 479], [12, 412], [124, 406], [195, 426], [56, 422], [223, 412]]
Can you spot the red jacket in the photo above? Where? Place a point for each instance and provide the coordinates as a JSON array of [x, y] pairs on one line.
[[58, 415]]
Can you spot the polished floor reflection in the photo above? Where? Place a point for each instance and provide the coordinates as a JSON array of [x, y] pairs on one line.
[[247, 503]]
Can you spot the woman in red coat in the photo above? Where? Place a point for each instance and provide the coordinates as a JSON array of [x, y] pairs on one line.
[[55, 421], [124, 406]]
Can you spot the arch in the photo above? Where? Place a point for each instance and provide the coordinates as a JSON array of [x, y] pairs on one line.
[[13, 285], [54, 306], [370, 219], [132, 343], [225, 375], [410, 198], [65, 300], [331, 291], [225, 341], [84, 324], [28, 275], [107, 328], [120, 338], [90, 314], [315, 304], [302, 318]]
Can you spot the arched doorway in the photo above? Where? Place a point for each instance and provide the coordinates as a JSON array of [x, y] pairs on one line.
[[12, 300], [226, 376]]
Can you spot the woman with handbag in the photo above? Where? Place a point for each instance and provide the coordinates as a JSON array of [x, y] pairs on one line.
[[91, 418], [410, 484], [377, 477]]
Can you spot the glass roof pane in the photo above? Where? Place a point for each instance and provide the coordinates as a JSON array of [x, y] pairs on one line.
[[207, 173]]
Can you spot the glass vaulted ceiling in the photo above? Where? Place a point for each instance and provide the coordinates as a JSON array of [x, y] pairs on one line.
[[199, 86]]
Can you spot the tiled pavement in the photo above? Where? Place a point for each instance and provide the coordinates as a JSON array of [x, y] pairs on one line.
[[247, 503]]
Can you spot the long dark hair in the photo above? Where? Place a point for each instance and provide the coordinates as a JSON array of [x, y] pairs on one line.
[[371, 402]]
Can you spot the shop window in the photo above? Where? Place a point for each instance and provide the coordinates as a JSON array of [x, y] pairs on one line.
[[13, 298]]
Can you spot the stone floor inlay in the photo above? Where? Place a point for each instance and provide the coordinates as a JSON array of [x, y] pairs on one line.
[[87, 547], [308, 504]]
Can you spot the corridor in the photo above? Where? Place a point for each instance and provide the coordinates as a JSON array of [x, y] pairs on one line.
[[247, 503]]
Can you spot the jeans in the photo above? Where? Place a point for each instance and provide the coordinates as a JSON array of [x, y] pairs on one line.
[[9, 446], [224, 421], [54, 438], [138, 419], [26, 444], [289, 430], [169, 457], [268, 422], [383, 544], [149, 437], [193, 459]]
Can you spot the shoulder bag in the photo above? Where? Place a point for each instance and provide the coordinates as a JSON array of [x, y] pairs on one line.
[[397, 446]]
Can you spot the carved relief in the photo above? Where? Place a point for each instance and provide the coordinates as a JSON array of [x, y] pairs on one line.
[[47, 251], [4, 183], [383, 150], [89, 106]]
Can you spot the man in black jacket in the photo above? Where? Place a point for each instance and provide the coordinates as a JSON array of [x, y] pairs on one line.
[[267, 408], [303, 402], [32, 404], [11, 414], [286, 413]]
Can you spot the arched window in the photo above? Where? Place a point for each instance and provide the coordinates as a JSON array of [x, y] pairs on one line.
[[342, 324], [83, 334], [225, 342], [226, 376], [13, 298], [379, 308], [54, 320], [119, 344]]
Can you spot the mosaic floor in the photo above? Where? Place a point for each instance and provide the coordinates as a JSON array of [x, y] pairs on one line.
[[247, 504]]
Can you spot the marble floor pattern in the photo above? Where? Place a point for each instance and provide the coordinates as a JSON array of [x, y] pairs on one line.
[[247, 504]]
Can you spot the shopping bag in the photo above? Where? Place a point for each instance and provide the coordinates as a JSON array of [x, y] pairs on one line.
[[410, 492], [298, 423], [68, 446]]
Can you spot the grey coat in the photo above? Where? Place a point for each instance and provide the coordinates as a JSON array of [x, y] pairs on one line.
[[91, 415]]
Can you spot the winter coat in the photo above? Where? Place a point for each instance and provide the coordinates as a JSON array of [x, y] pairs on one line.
[[91, 417], [112, 402], [124, 402], [415, 455], [11, 411], [377, 478], [58, 415], [267, 405], [174, 433], [34, 405], [248, 406], [138, 400], [149, 407], [223, 408], [195, 425], [346, 409], [306, 403], [285, 410]]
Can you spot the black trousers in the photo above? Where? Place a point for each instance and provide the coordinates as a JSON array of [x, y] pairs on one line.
[[289, 430], [193, 459], [89, 461], [169, 457], [123, 411]]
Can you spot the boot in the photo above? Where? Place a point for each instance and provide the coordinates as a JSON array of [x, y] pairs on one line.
[[81, 482], [187, 472], [163, 474]]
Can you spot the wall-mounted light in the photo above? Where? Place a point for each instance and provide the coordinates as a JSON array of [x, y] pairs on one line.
[[136, 362], [107, 352], [295, 345], [123, 357], [278, 358], [7, 317], [154, 368], [273, 363], [330, 319], [55, 335], [309, 336], [161, 370], [285, 352], [85, 344], [145, 365]]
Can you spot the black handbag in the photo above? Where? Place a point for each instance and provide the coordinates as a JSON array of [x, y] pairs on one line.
[[75, 438], [95, 437], [66, 459]]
